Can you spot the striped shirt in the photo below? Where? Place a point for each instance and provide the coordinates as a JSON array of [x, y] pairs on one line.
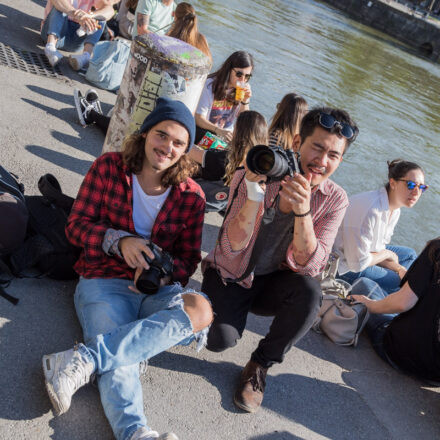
[[328, 204]]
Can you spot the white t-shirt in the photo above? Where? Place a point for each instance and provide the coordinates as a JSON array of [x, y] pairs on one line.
[[146, 208], [367, 227], [222, 113]]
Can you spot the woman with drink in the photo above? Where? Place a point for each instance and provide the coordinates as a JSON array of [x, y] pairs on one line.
[[363, 238], [226, 94]]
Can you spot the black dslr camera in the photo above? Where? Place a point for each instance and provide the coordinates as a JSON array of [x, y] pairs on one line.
[[273, 162], [160, 267]]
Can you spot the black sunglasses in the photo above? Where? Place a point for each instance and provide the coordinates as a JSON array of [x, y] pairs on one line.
[[410, 184], [328, 121], [239, 74]]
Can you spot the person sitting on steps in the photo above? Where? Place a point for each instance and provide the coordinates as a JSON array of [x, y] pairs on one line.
[[127, 202], [70, 28]]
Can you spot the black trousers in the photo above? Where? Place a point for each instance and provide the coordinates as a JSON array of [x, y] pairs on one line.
[[293, 299]]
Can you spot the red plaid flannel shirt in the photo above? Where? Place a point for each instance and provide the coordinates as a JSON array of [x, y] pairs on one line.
[[105, 200]]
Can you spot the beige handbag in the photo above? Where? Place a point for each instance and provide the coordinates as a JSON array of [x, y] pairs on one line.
[[339, 318]]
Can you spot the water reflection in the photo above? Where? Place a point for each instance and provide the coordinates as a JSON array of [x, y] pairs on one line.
[[308, 47]]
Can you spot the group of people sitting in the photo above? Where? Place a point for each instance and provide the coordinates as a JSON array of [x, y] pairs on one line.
[[72, 25], [139, 217]]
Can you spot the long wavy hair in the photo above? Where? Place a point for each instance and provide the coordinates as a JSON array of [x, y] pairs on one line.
[[185, 28], [239, 59], [133, 155], [287, 119], [250, 130]]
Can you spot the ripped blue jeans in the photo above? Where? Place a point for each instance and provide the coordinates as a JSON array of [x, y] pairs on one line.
[[122, 328]]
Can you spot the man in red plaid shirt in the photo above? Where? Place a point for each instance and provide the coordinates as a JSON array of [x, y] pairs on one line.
[[126, 202]]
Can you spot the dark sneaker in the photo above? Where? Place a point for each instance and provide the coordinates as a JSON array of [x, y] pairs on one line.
[[250, 390], [65, 372], [93, 99], [83, 108]]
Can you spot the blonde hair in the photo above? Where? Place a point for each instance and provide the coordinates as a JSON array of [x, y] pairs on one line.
[[250, 130], [287, 119], [185, 28], [133, 156]]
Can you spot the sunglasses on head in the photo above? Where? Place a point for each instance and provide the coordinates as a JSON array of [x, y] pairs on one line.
[[239, 74], [328, 121], [410, 184]]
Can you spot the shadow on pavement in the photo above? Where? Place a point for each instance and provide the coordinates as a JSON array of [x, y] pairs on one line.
[[319, 405], [277, 435], [17, 23]]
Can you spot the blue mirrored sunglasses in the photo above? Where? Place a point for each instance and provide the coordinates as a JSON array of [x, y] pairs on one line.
[[328, 121], [410, 184]]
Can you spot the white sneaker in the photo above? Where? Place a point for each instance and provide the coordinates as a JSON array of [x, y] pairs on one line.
[[144, 434], [79, 61], [53, 56], [65, 372]]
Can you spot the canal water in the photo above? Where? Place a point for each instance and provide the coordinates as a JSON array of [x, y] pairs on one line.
[[310, 48]]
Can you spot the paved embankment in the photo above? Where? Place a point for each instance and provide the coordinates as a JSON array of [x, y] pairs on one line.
[[320, 391]]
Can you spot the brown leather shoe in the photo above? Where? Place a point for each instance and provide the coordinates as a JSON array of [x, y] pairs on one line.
[[250, 390]]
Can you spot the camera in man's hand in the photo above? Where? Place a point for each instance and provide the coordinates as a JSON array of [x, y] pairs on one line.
[[161, 266], [273, 162]]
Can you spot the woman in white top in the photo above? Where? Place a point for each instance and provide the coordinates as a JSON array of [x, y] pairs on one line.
[[218, 108], [363, 238]]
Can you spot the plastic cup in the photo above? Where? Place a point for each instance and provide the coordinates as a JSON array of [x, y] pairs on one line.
[[240, 91]]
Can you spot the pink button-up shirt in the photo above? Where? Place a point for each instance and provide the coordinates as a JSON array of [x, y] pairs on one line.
[[328, 204]]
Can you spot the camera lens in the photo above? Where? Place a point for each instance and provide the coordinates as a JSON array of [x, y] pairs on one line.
[[268, 161], [149, 281]]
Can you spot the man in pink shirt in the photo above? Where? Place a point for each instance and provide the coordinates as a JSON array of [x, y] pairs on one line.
[[73, 24], [275, 276]]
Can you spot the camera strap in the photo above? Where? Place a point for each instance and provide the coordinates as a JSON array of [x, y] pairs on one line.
[[268, 216]]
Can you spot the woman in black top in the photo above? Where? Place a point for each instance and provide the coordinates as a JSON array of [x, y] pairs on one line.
[[404, 328]]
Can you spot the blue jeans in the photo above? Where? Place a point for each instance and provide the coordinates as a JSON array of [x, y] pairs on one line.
[[58, 24], [388, 280], [377, 323], [122, 328]]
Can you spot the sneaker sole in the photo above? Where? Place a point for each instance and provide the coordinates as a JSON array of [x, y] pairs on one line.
[[76, 98], [48, 368], [248, 409]]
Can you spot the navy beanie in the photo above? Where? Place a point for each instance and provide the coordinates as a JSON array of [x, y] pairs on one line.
[[169, 110]]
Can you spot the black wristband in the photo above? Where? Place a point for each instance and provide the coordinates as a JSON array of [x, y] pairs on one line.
[[303, 215], [245, 103]]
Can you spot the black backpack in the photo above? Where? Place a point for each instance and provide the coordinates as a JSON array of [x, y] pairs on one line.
[[46, 247], [9, 184]]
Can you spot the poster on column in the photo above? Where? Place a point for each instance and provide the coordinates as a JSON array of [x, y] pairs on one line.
[[158, 66]]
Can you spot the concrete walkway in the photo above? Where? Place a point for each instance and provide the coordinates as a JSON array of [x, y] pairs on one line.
[[320, 391]]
